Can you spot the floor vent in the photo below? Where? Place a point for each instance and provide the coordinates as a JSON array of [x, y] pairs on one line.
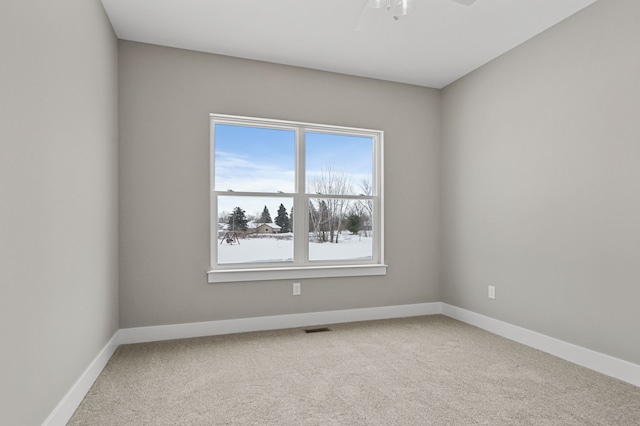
[[317, 330]]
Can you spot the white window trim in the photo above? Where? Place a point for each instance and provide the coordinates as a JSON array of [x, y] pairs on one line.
[[296, 273], [298, 269]]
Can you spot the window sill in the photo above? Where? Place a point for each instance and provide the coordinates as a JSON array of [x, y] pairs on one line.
[[295, 273]]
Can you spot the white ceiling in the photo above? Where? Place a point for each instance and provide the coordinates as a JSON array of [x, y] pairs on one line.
[[439, 42]]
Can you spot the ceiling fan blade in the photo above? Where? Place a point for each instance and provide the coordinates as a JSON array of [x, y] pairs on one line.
[[464, 2]]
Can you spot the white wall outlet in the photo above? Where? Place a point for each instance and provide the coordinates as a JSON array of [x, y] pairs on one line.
[[296, 289], [492, 292]]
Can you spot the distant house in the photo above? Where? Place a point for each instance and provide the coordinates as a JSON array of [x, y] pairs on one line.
[[263, 228], [253, 228]]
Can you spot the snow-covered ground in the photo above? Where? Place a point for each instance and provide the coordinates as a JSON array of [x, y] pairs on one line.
[[274, 248]]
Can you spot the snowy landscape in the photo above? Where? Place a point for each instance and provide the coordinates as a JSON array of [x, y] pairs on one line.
[[279, 248], [256, 188]]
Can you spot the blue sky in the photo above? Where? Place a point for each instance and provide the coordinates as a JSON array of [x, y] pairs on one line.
[[352, 154], [256, 159]]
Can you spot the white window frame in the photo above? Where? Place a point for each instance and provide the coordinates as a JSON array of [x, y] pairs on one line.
[[300, 267]]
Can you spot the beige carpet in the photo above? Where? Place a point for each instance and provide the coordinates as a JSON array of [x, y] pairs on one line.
[[417, 371]]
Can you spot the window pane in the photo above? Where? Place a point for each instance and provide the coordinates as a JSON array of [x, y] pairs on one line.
[[254, 229], [338, 164], [254, 159], [340, 229]]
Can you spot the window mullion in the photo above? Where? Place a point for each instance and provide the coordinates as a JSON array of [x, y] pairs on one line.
[[301, 215]]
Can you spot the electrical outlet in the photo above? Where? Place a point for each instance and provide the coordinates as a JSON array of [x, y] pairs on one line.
[[492, 292], [296, 289]]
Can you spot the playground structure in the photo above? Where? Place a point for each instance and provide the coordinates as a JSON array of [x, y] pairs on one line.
[[230, 238]]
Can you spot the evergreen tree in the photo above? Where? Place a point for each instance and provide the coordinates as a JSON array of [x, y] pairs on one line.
[[282, 220], [354, 223], [265, 217], [237, 220], [291, 219]]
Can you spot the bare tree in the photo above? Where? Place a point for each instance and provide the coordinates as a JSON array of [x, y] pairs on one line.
[[319, 219], [329, 182], [366, 206], [223, 216]]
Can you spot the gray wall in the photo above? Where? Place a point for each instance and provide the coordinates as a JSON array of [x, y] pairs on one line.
[[58, 205], [541, 183], [165, 99]]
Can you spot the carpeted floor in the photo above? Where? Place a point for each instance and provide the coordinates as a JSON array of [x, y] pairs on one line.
[[428, 370]]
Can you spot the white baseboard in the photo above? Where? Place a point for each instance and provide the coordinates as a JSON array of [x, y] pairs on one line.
[[65, 409], [605, 364], [68, 405], [276, 322]]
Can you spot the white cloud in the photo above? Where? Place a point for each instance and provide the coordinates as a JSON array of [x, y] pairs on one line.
[[240, 173]]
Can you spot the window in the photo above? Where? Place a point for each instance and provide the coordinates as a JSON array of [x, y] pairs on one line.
[[294, 200]]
